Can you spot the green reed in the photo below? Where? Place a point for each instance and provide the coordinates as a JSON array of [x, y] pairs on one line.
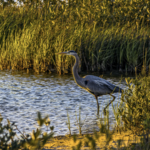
[[68, 123], [105, 34]]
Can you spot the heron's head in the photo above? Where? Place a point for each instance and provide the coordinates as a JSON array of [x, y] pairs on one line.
[[72, 52]]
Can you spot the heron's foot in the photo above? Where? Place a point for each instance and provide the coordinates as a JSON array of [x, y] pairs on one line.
[[104, 111]]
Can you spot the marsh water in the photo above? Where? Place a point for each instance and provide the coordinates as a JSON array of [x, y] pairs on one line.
[[22, 95]]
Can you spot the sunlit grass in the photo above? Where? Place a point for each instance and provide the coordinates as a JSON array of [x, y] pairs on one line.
[[105, 34]]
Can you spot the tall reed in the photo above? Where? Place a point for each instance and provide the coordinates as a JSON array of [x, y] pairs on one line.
[[105, 34]]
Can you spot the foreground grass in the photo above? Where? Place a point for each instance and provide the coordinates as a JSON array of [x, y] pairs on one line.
[[106, 35]]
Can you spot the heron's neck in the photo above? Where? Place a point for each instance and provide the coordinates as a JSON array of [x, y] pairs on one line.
[[76, 76]]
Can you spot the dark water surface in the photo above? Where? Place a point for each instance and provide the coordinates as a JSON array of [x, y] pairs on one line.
[[23, 95]]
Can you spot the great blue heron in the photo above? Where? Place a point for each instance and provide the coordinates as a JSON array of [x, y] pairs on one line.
[[93, 84]]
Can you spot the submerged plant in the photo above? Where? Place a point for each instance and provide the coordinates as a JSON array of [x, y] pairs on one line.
[[68, 123]]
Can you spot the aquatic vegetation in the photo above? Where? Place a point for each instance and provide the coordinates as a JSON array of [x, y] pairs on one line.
[[68, 123], [136, 109], [105, 34]]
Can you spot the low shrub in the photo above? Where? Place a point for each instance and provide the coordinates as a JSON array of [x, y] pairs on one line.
[[36, 140]]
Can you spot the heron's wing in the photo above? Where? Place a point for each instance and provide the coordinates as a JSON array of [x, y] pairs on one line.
[[99, 87]]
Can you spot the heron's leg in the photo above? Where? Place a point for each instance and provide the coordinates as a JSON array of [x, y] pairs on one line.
[[109, 103], [97, 105]]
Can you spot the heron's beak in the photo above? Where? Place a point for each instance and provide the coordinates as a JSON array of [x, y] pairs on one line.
[[62, 53]]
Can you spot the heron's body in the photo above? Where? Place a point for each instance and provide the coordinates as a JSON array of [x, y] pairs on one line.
[[93, 84], [98, 86]]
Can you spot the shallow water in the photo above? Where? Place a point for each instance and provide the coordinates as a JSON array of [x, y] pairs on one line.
[[23, 95]]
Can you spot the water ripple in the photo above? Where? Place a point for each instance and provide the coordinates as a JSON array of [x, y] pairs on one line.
[[23, 95]]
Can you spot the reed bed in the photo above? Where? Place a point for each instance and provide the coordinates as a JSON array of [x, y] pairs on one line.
[[106, 34]]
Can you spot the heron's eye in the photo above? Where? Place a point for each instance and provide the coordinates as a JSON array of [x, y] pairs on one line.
[[72, 51]]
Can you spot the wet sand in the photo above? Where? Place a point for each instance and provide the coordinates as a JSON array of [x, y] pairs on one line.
[[67, 142]]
